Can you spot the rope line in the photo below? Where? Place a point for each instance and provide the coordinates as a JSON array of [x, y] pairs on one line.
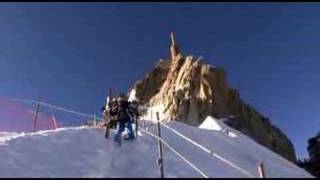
[[176, 152], [173, 130], [56, 107], [206, 150]]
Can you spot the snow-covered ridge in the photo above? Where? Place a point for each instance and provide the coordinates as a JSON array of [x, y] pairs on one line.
[[84, 152], [8, 136]]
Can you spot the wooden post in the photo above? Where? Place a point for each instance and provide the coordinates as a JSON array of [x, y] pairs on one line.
[[52, 123], [146, 124], [35, 117], [160, 158], [261, 170], [94, 120], [137, 125]]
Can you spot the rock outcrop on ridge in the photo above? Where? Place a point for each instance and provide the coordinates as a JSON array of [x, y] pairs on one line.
[[190, 90]]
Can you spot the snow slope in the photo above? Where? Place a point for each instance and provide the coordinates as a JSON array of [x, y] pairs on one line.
[[84, 152]]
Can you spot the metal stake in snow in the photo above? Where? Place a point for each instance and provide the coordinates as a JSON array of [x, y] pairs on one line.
[[137, 125], [94, 120], [53, 119], [160, 159], [176, 152], [207, 150], [261, 170], [54, 122], [35, 116]]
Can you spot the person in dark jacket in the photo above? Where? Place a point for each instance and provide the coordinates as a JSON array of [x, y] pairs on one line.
[[124, 119]]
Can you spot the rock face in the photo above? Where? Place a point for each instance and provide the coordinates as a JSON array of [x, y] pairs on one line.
[[314, 154], [314, 148], [313, 163], [190, 90]]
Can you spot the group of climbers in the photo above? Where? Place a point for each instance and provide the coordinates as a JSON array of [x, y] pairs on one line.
[[119, 114]]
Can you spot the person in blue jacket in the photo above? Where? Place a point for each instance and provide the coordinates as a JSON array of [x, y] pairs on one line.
[[124, 119]]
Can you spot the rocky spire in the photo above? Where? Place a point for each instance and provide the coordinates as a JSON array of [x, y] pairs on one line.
[[174, 47]]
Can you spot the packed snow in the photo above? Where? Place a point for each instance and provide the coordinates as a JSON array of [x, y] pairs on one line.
[[151, 112], [84, 152]]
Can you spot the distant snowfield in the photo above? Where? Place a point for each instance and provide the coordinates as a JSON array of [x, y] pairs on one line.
[[84, 152]]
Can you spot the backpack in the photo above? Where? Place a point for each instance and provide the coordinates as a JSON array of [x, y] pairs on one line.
[[123, 111]]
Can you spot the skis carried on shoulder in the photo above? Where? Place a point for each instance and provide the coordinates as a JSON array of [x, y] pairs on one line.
[[107, 131]]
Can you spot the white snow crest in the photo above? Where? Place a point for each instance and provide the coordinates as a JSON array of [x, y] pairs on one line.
[[210, 123], [8, 136]]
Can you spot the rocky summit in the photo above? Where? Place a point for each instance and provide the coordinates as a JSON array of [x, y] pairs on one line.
[[189, 90]]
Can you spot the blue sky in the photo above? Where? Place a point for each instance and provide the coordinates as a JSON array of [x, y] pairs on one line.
[[70, 53]]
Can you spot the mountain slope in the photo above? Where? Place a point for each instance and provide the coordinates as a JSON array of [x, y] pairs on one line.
[[84, 152]]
